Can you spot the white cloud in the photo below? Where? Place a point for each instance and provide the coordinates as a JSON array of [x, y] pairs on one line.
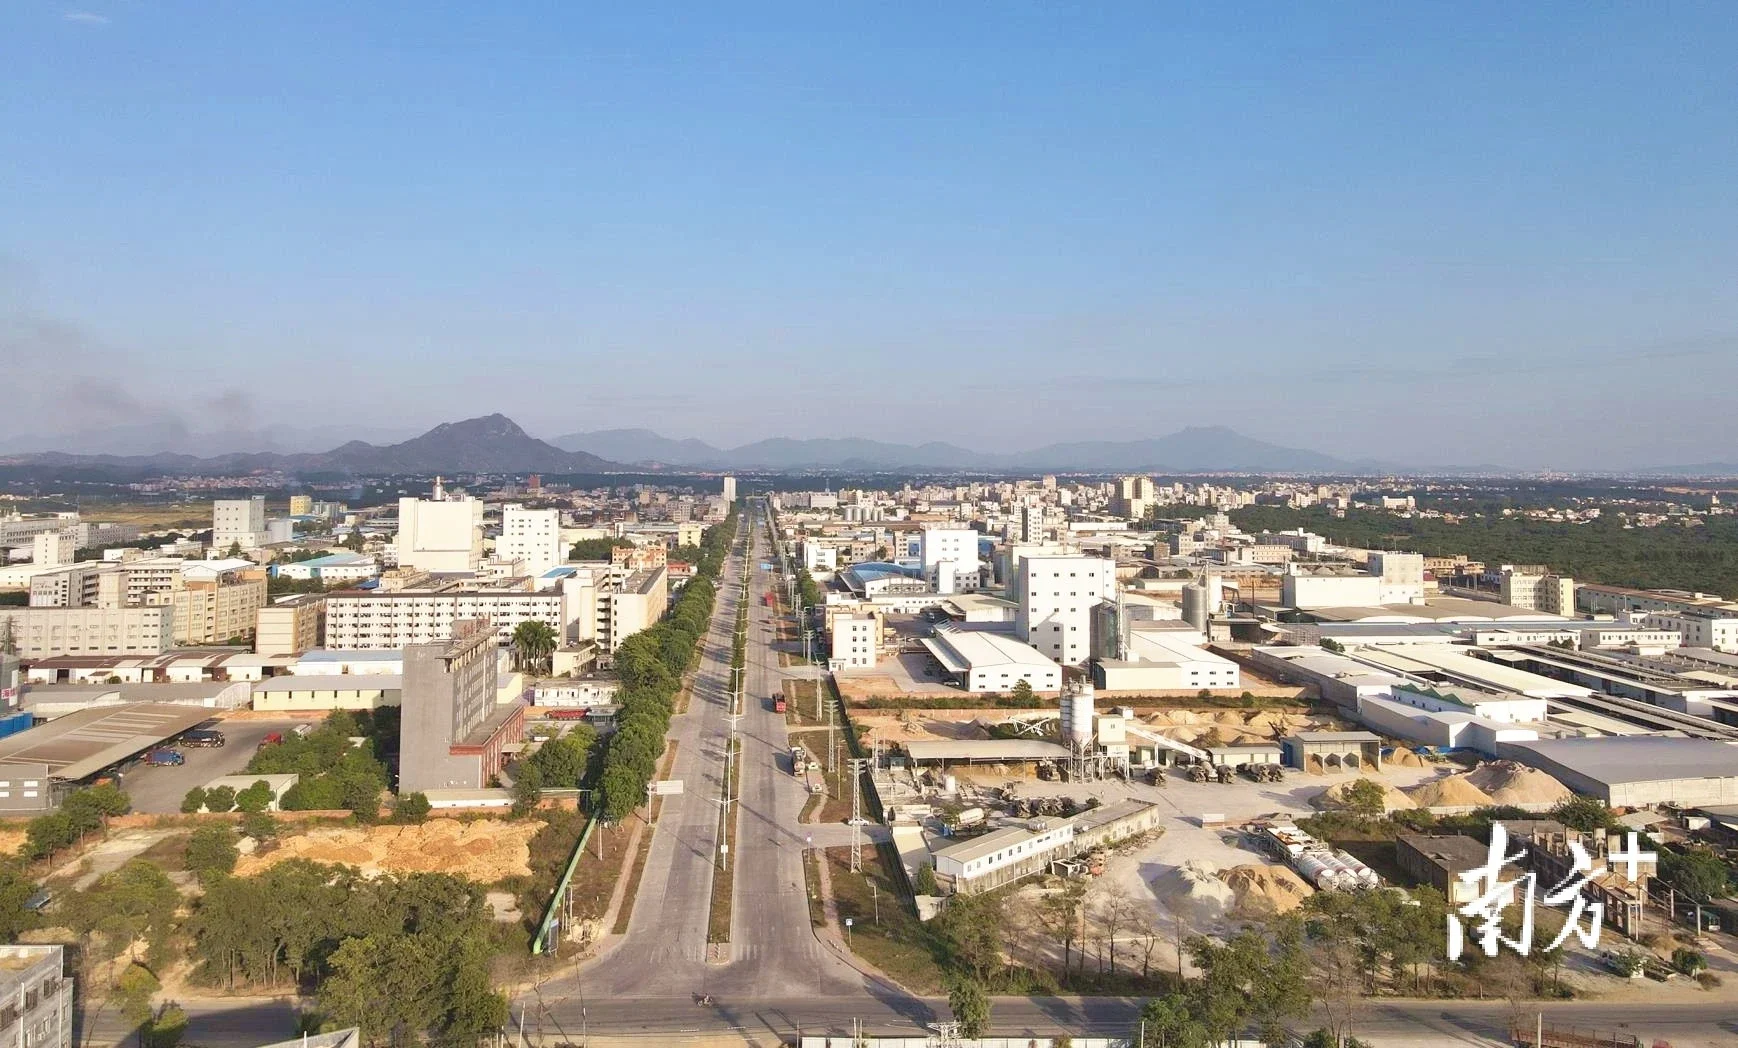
[[87, 18]]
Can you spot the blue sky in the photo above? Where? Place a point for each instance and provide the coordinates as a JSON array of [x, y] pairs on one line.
[[1437, 233]]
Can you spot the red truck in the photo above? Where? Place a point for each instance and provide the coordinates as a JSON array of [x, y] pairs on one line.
[[778, 702]]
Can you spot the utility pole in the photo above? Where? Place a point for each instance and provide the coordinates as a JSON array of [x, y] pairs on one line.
[[858, 764]]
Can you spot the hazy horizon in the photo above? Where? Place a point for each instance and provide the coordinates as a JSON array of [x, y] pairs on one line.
[[1430, 236]]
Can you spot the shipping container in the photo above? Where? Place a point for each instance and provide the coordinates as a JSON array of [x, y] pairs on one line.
[[13, 723]]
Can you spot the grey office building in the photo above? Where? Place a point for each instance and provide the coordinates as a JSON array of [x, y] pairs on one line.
[[35, 997]]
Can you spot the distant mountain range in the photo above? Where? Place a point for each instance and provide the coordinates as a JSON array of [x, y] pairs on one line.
[[491, 444], [1192, 450], [173, 436]]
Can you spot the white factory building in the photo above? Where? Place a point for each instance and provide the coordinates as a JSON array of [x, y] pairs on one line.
[[1057, 598], [440, 535], [238, 522], [950, 559], [990, 662], [854, 641], [1167, 660]]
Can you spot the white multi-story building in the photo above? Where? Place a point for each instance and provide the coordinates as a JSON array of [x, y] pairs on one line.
[[854, 641], [364, 621], [950, 559], [51, 549], [1057, 597], [1553, 594], [42, 633], [1402, 576], [238, 522], [1329, 588], [729, 490], [440, 535], [1699, 629], [532, 536]]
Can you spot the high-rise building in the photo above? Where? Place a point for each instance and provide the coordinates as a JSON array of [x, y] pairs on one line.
[[238, 522], [1552, 594], [301, 505], [51, 549], [1134, 496], [453, 733], [440, 535], [854, 641], [532, 536], [1057, 596], [729, 490]]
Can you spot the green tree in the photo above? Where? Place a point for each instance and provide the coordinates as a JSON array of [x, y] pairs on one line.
[[970, 1005], [561, 762], [1021, 693], [1330, 644], [212, 852], [923, 883], [411, 807], [255, 798], [527, 789], [220, 799], [194, 800], [1586, 814], [534, 643], [234, 550], [1166, 1022], [259, 825], [132, 993], [1697, 872], [166, 1028], [47, 834], [15, 890], [1366, 797]]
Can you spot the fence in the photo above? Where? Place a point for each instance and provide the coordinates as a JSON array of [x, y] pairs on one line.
[[552, 912]]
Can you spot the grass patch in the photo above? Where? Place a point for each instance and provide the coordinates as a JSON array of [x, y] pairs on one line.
[[550, 849], [638, 868], [724, 873], [170, 853], [896, 942], [811, 806], [800, 703], [812, 884]]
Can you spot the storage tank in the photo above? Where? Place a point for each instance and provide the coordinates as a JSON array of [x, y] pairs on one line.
[[1195, 606], [1077, 714], [1319, 869], [1365, 876]]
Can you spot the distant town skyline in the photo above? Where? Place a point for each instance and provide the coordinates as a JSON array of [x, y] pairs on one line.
[[1431, 236]]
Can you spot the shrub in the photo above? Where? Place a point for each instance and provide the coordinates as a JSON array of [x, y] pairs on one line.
[[194, 801]]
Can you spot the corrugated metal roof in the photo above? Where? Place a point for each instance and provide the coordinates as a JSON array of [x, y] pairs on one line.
[[81, 744], [984, 749]]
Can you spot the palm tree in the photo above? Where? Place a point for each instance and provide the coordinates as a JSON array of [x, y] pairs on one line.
[[534, 642]]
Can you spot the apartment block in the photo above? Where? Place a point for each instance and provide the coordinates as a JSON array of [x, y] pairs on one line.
[[950, 559], [361, 621], [855, 638], [1552, 594], [1699, 629], [72, 586]]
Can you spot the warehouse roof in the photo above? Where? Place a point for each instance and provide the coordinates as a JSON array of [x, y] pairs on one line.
[[1640, 758], [332, 682], [1336, 736], [81, 744], [984, 750], [963, 650]]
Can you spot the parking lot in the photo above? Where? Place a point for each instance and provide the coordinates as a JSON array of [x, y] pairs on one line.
[[156, 790]]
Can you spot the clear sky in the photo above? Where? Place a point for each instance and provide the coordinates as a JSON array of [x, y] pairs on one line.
[[1430, 233]]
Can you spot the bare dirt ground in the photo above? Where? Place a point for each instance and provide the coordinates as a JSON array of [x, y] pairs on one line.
[[485, 851]]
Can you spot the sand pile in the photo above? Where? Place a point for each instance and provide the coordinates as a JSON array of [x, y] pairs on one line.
[[1266, 891], [1508, 782], [1334, 797], [1194, 892], [1455, 791], [485, 851], [11, 842]]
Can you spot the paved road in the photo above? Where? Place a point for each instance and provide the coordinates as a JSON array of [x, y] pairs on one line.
[[1400, 1024]]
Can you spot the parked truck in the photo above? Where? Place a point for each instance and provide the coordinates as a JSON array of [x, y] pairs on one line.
[[778, 702]]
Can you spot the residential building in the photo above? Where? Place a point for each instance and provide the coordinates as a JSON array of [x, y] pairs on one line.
[[453, 733], [1554, 594], [1134, 497], [649, 557], [238, 522], [632, 604], [1057, 598], [950, 559], [37, 997], [729, 490], [855, 638], [376, 620], [290, 626], [301, 505], [219, 610], [440, 535], [45, 632], [532, 536]]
